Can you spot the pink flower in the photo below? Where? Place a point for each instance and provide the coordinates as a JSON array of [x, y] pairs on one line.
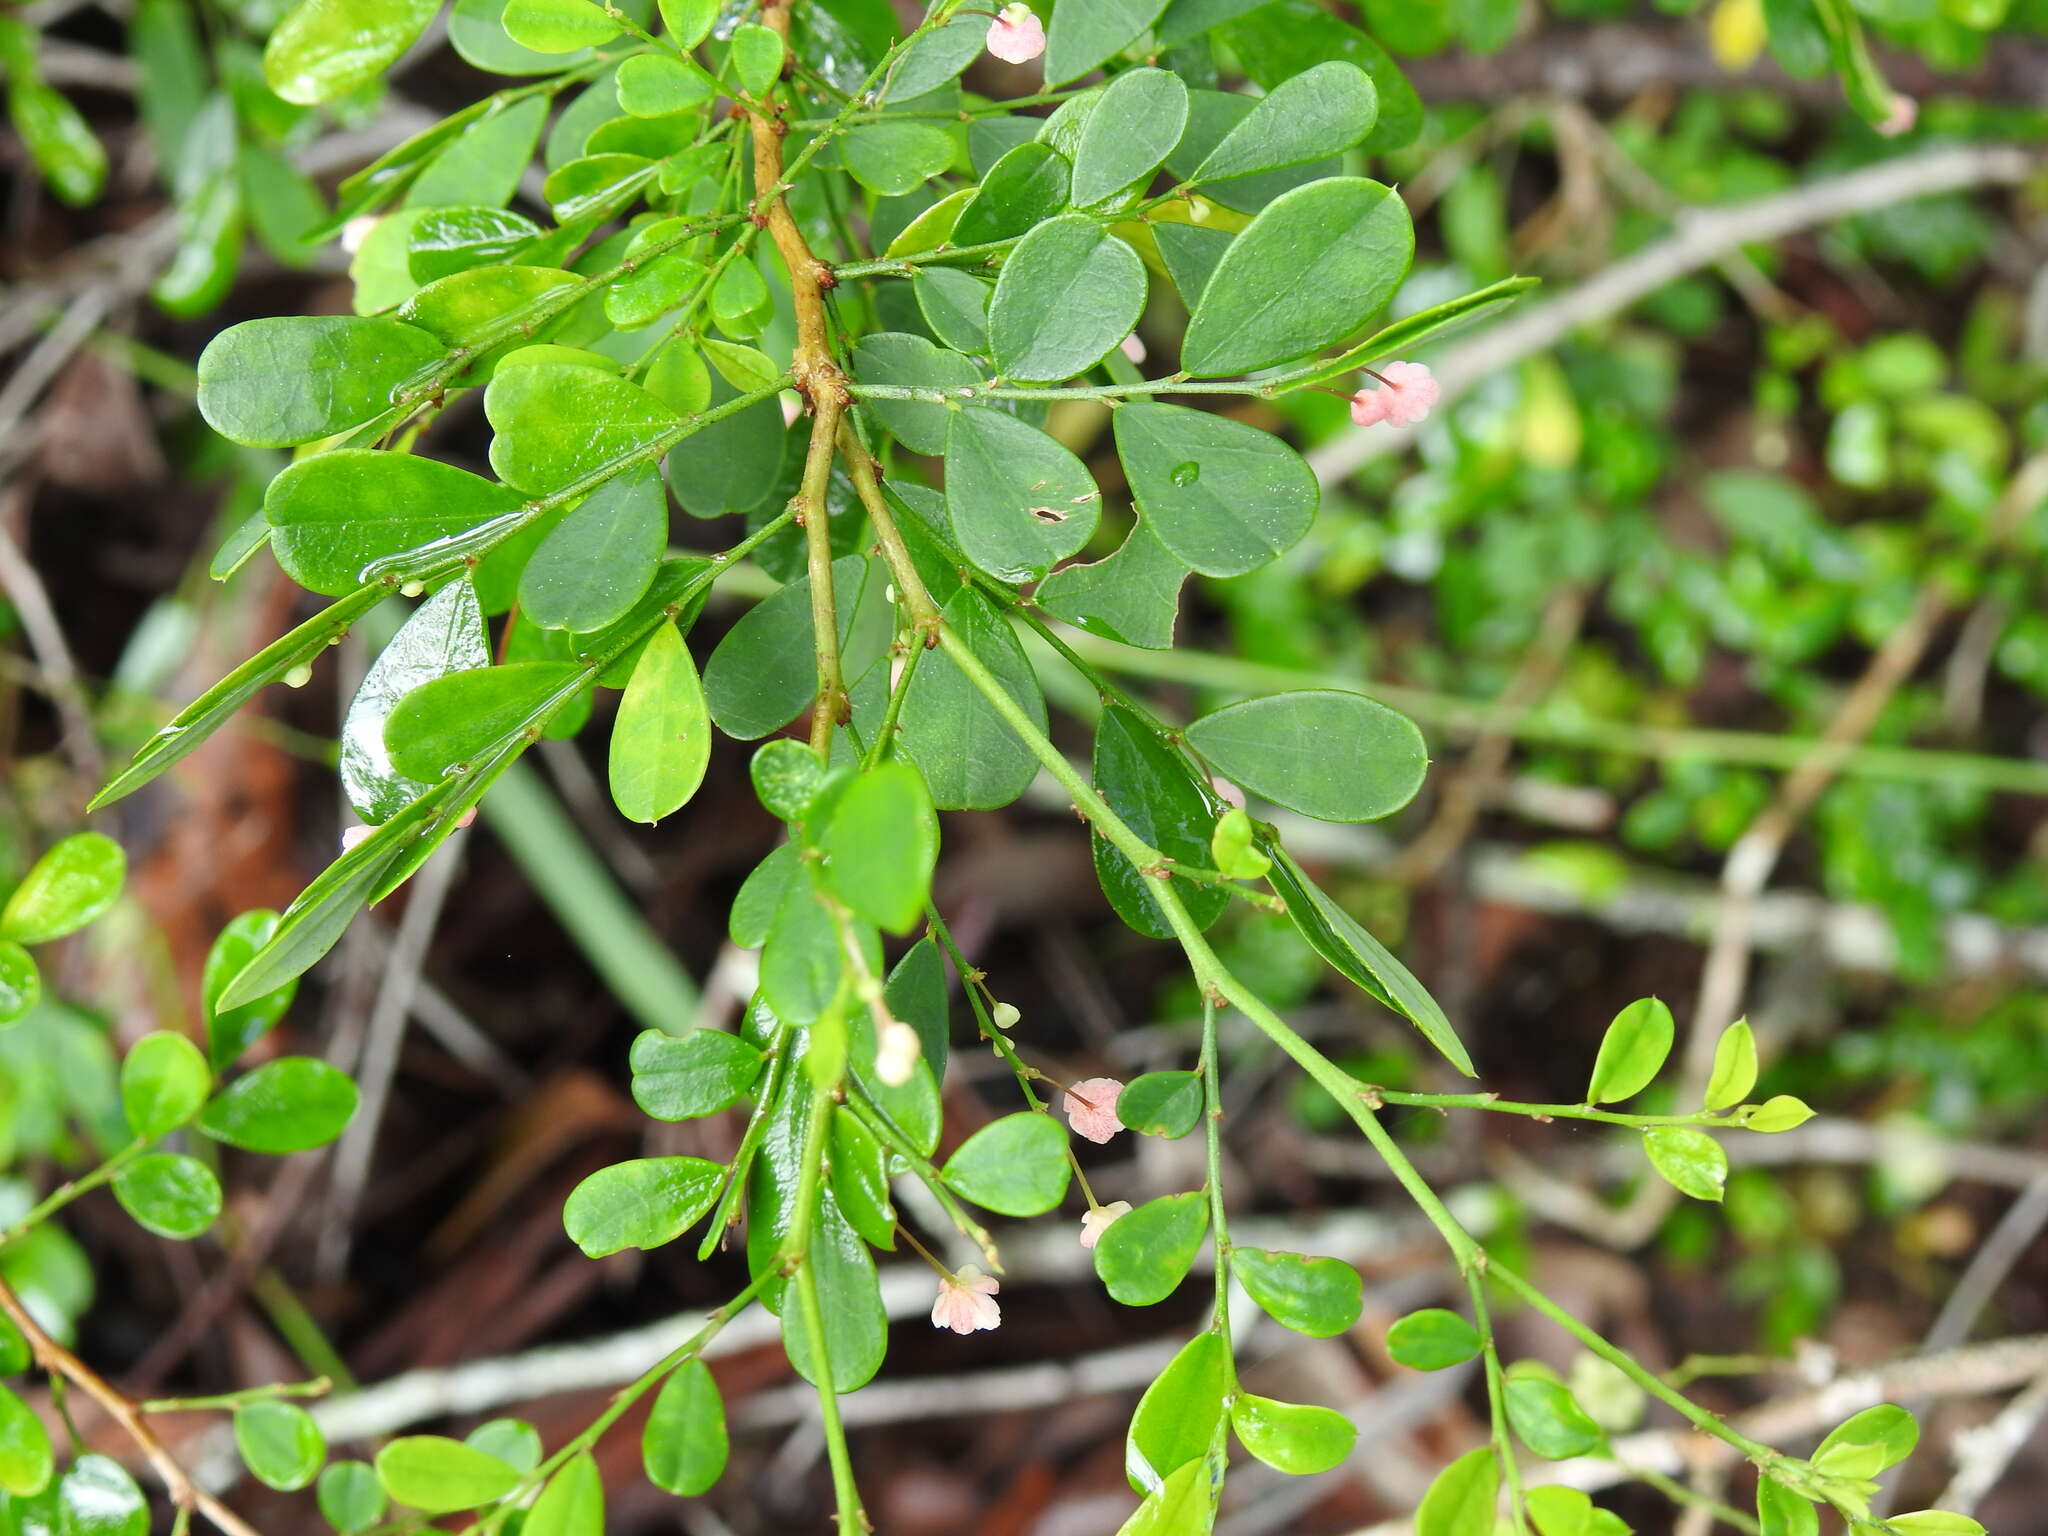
[[967, 1301], [1407, 394], [1099, 1220], [1091, 1108], [1133, 347], [1016, 36], [1905, 111]]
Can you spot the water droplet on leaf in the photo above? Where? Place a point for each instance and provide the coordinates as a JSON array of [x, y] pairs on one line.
[[1186, 474]]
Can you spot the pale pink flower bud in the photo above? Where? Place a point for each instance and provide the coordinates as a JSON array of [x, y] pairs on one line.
[[467, 818], [1405, 396], [897, 1053], [1904, 113], [967, 1302], [1091, 1108], [1016, 36], [1099, 1220], [1134, 347], [350, 836]]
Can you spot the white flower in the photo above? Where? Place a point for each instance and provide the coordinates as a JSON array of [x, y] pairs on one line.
[[897, 1053], [1099, 1220], [967, 1302]]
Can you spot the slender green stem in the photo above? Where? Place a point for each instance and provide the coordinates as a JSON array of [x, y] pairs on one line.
[[727, 1211], [1487, 1101], [1496, 1394], [899, 690], [1679, 1493], [1212, 1146], [886, 1131], [67, 1192], [317, 1388]]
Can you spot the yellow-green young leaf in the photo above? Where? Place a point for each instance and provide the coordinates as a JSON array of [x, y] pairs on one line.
[[1290, 1437], [164, 1081], [1316, 1296], [75, 881], [1318, 113], [787, 776], [513, 1441], [292, 1104], [328, 48], [350, 1499], [1165, 1104], [655, 85], [1020, 501], [1027, 186], [57, 139], [333, 514], [1690, 1159], [1069, 292], [97, 1497], [1734, 1067], [557, 424], [1015, 1167], [678, 377], [1308, 271], [757, 55], [1461, 1500], [1332, 755], [880, 841], [1632, 1052], [1178, 1416], [1085, 32], [1936, 1522], [438, 1476], [1233, 848], [639, 1204], [1432, 1340], [1781, 1512], [280, 1444], [497, 309], [1133, 125], [1178, 1507], [684, 1446], [932, 228], [445, 241], [597, 186], [688, 21], [1224, 497], [1559, 1511], [573, 1503], [1150, 787], [1546, 1415], [26, 1463], [456, 719], [558, 26], [169, 1194], [1782, 1112], [21, 983], [699, 1074], [661, 739], [1143, 1257], [892, 159], [1887, 1432]]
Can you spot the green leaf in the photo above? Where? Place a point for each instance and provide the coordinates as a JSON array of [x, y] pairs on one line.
[[1548, 1418], [932, 228], [1085, 32], [1432, 1339], [328, 48], [684, 1445], [231, 1031], [1190, 253], [1632, 1052], [1320, 112], [21, 983], [880, 842], [1340, 939], [760, 896], [731, 465], [763, 674], [335, 513], [969, 757], [280, 1444], [1936, 1522], [75, 881], [1069, 293], [1734, 1067], [169, 1194], [97, 1497], [1316, 1296], [688, 21], [557, 424], [1132, 596], [1145, 1254], [444, 635], [661, 738], [26, 1463], [1282, 39], [643, 1203], [558, 26], [455, 719], [164, 1081], [1781, 1512], [289, 1105], [916, 994], [1461, 1499], [1868, 1443], [513, 1441], [1128, 134], [1177, 1418], [1782, 1112], [905, 360], [1332, 755], [1177, 1507], [955, 306], [350, 1498], [284, 205], [891, 159], [445, 241], [757, 54], [787, 776], [699, 1074], [71, 160], [1149, 786], [1690, 1159], [189, 729], [573, 1503], [600, 559], [1234, 847], [1410, 331], [655, 85], [937, 57], [1308, 271], [1291, 1437], [438, 1476], [1161, 1103], [1020, 502], [1016, 1166], [1559, 1511], [1224, 497], [1187, 18], [1027, 186]]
